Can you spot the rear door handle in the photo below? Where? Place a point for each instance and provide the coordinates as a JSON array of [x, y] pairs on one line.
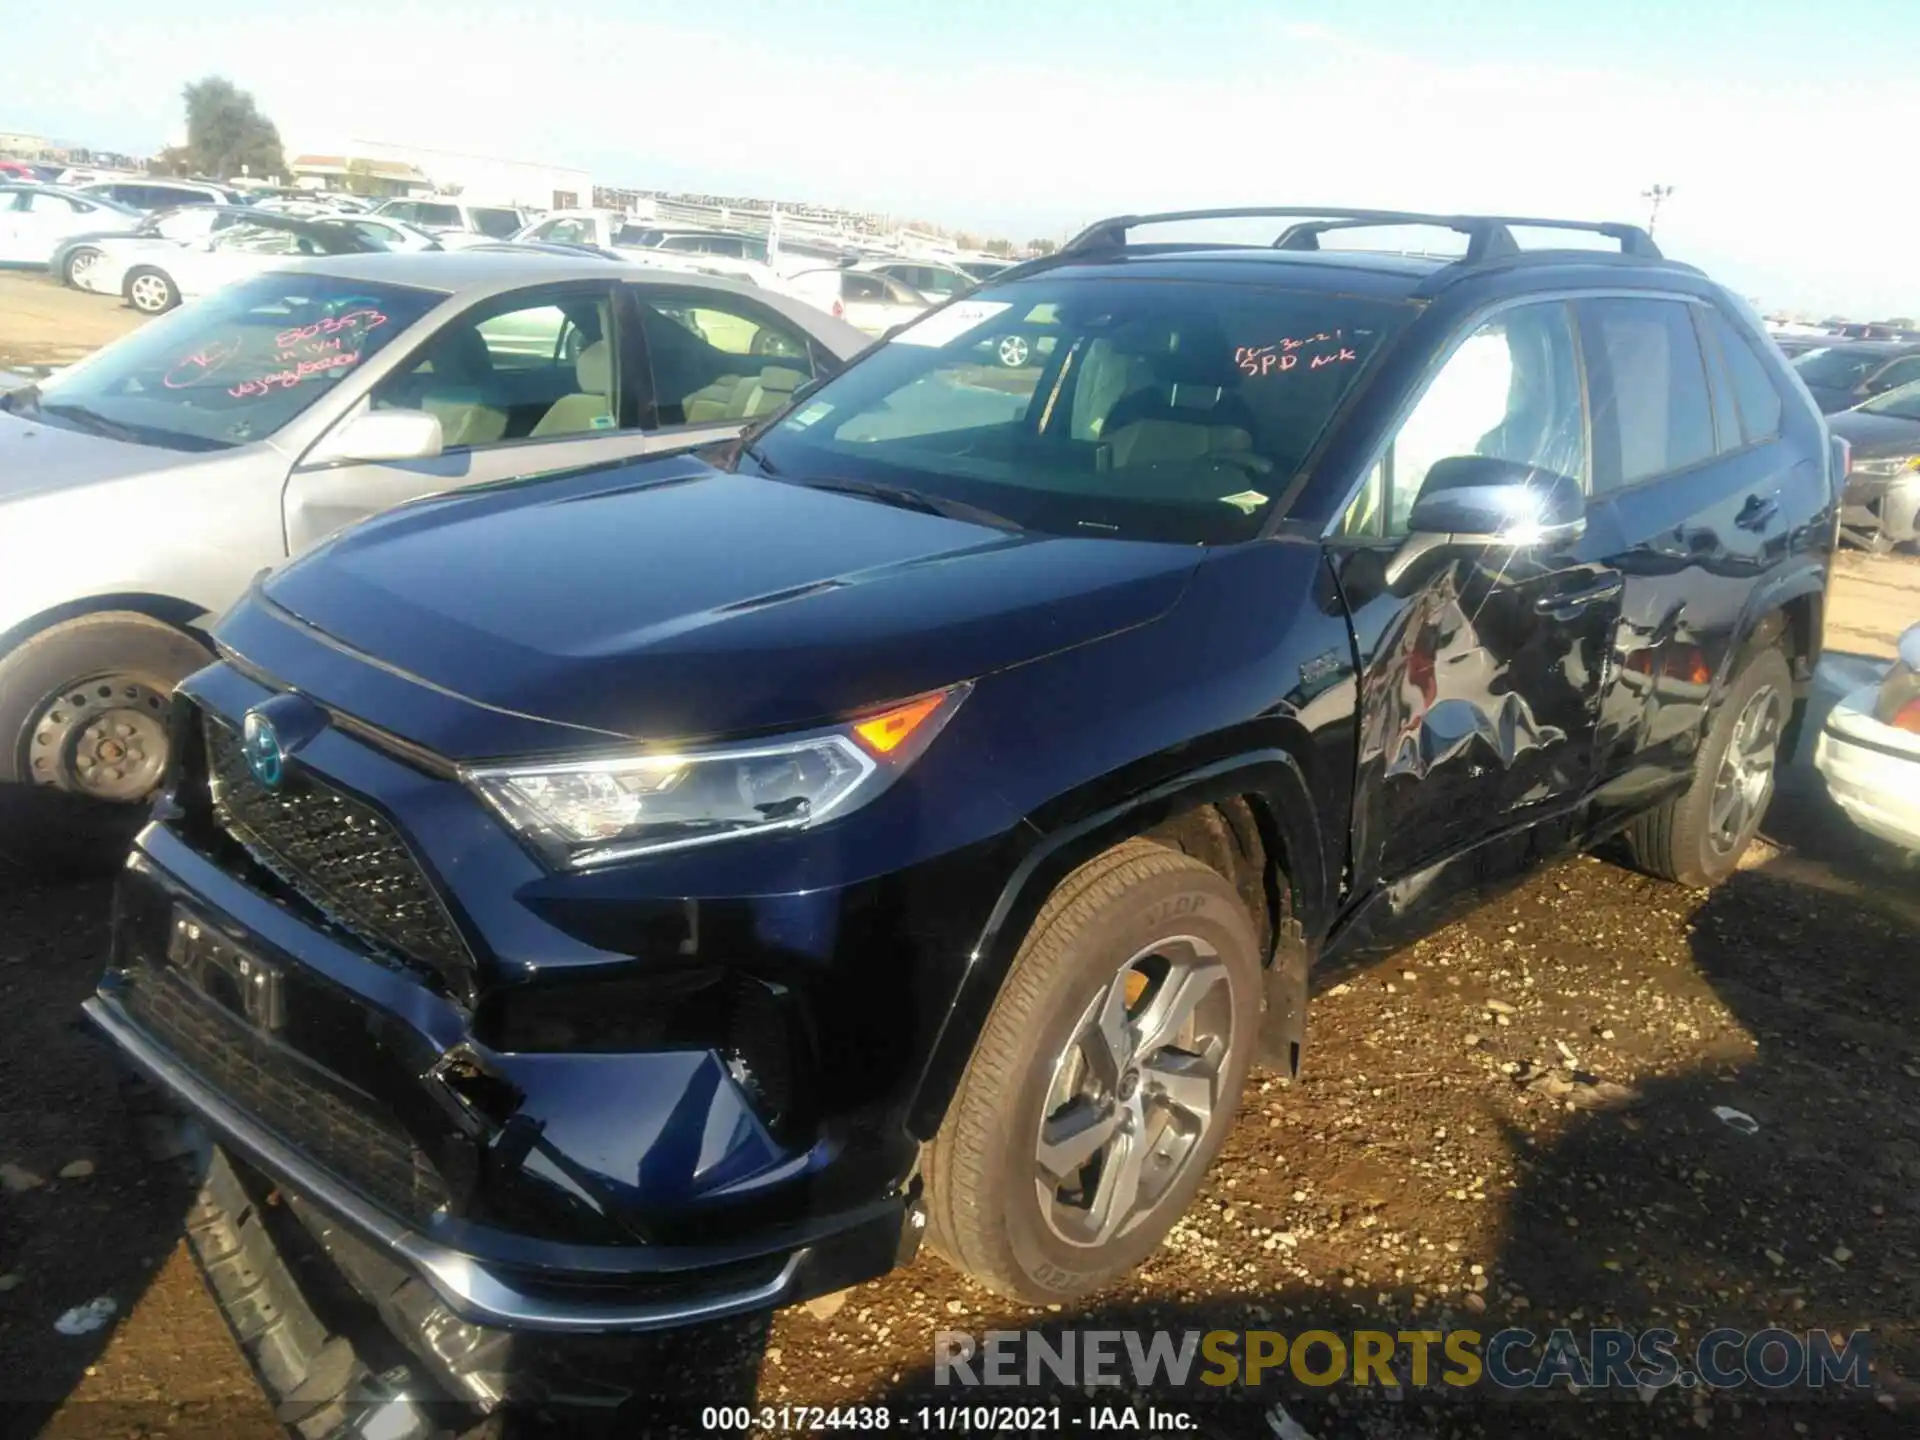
[[1567, 604], [1757, 513]]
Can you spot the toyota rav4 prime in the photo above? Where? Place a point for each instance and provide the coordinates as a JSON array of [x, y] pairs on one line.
[[675, 888]]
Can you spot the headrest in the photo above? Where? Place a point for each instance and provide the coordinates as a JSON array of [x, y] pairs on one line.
[[594, 369]]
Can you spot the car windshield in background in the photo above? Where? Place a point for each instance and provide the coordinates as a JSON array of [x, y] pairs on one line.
[[1834, 368], [234, 366], [1149, 410], [1901, 404], [497, 224]]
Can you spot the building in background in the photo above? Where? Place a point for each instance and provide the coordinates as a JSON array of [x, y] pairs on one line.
[[383, 167]]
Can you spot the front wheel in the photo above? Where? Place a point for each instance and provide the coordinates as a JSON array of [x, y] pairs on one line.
[[151, 292], [83, 704], [1012, 351], [1699, 835], [1105, 1080]]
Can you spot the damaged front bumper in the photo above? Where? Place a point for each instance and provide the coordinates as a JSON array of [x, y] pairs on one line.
[[383, 1156]]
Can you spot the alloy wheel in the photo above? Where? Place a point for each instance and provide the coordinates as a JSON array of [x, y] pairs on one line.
[[1134, 1092], [1744, 782], [1014, 350], [105, 737], [80, 265], [148, 293]]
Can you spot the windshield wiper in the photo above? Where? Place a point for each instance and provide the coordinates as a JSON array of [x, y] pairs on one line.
[[92, 420], [903, 498]]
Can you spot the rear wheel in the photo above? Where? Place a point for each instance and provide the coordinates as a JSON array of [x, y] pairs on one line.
[[1699, 836], [151, 292], [83, 705], [1105, 1079], [1012, 351], [80, 261]]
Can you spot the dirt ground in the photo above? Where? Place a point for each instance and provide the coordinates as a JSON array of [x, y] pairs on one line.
[[44, 323], [1512, 1122]]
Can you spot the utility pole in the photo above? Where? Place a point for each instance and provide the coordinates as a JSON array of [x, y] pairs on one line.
[[1658, 194]]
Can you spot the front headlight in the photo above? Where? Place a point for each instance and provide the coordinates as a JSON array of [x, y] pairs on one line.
[[1887, 465], [598, 809]]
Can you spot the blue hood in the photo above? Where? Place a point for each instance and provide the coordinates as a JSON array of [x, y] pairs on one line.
[[668, 599]]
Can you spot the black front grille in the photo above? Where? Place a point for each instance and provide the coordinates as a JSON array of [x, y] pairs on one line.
[[341, 856], [313, 1113]]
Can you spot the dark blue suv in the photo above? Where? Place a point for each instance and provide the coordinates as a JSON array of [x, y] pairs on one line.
[[622, 897]]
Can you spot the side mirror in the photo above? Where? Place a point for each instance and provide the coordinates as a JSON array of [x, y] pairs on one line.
[[1477, 500], [377, 435]]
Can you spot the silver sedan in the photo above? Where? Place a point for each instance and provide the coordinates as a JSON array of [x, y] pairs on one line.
[[142, 489]]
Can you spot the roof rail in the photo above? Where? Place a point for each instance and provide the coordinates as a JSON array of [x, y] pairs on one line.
[[1489, 237]]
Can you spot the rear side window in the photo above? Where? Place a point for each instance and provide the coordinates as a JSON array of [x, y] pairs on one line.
[[1754, 392], [438, 215], [1651, 413]]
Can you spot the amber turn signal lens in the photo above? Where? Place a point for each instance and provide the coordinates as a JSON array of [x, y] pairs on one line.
[[1907, 717], [886, 732]]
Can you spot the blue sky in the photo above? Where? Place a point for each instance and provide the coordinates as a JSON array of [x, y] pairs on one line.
[[1783, 145]]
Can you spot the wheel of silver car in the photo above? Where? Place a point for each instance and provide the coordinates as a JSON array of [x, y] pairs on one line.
[[1105, 1078], [83, 705], [1744, 782], [1013, 351], [151, 293], [81, 261]]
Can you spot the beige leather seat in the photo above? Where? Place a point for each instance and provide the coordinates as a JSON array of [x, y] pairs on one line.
[[743, 397], [451, 378], [591, 408]]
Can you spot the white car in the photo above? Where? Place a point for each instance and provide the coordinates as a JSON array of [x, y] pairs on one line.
[[158, 275], [35, 219], [1869, 751], [452, 221], [704, 252], [931, 278], [251, 424], [150, 193], [867, 301]]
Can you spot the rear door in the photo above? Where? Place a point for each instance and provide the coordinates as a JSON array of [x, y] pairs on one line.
[[1481, 669], [1693, 493]]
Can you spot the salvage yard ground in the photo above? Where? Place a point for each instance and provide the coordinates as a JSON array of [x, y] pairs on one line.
[[1510, 1122]]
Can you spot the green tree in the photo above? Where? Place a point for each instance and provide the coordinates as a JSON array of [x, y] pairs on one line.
[[227, 135], [1041, 247]]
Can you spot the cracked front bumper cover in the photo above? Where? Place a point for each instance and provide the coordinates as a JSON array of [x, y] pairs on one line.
[[579, 1289]]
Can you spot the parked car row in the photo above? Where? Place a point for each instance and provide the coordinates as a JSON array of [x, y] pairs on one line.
[[1870, 392]]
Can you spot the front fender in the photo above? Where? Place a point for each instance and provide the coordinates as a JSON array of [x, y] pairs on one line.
[[1273, 777]]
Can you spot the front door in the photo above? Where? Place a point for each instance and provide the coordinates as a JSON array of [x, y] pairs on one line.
[[525, 384], [1481, 668]]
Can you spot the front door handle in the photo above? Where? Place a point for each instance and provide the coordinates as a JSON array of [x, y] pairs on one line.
[[1567, 604], [1757, 513]]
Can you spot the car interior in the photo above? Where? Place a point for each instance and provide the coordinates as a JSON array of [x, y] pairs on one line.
[[548, 369]]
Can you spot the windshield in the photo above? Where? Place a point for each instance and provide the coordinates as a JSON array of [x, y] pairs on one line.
[[235, 365], [1902, 403], [1144, 409], [498, 224], [1836, 368]]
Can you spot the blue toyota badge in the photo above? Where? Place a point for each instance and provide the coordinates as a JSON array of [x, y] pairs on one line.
[[260, 743]]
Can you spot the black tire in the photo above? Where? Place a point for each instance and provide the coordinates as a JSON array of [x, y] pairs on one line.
[[1676, 840], [150, 291], [136, 658], [67, 265], [986, 1215]]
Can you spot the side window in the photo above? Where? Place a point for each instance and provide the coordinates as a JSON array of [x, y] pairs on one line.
[[1726, 416], [447, 215], [1511, 390], [1754, 391], [856, 286], [45, 204], [715, 358], [402, 210], [530, 367], [570, 232], [1899, 373], [1651, 414]]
